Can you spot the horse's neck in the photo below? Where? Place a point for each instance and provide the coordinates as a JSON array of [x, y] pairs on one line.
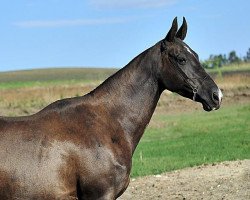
[[131, 95]]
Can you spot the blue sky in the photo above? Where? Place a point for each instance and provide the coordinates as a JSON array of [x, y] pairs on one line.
[[109, 33]]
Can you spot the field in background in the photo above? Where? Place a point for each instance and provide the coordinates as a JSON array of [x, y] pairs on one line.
[[180, 134], [54, 76], [195, 138], [231, 68]]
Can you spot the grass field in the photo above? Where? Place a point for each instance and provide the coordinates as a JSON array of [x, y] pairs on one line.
[[192, 139], [231, 68], [54, 76], [181, 137]]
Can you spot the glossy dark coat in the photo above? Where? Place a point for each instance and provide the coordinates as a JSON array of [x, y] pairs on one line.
[[81, 148]]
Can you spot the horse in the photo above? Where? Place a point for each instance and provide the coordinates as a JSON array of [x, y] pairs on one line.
[[82, 147]]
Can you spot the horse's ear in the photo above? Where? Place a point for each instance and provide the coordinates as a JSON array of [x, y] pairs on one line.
[[171, 33], [182, 32]]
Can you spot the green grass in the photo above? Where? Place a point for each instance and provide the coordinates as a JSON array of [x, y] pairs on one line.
[[192, 139], [25, 84], [53, 76], [231, 68]]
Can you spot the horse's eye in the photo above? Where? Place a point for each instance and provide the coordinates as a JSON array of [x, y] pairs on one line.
[[181, 60]]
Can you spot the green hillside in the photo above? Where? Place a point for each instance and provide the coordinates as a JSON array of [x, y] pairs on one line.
[[30, 78]]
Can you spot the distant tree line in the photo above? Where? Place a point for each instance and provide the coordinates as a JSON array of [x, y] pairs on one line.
[[215, 61]]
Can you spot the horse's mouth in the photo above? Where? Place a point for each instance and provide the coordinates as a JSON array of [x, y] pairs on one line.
[[208, 107]]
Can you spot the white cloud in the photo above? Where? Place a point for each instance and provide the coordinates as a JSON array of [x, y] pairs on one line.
[[131, 3], [73, 22]]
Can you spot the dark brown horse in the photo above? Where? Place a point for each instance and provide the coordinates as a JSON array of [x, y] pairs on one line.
[[81, 148]]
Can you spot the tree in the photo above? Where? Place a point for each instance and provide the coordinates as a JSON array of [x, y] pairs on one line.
[[233, 58], [215, 61], [247, 57]]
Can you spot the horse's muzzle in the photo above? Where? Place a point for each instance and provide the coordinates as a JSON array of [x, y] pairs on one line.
[[214, 102]]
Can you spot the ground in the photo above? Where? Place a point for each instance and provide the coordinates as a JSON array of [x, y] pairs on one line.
[[227, 180]]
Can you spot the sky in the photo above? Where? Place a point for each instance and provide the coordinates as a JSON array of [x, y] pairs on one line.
[[109, 33]]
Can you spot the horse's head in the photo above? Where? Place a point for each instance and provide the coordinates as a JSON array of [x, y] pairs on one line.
[[181, 71]]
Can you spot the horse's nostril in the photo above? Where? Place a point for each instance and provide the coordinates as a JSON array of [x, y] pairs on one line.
[[216, 96]]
